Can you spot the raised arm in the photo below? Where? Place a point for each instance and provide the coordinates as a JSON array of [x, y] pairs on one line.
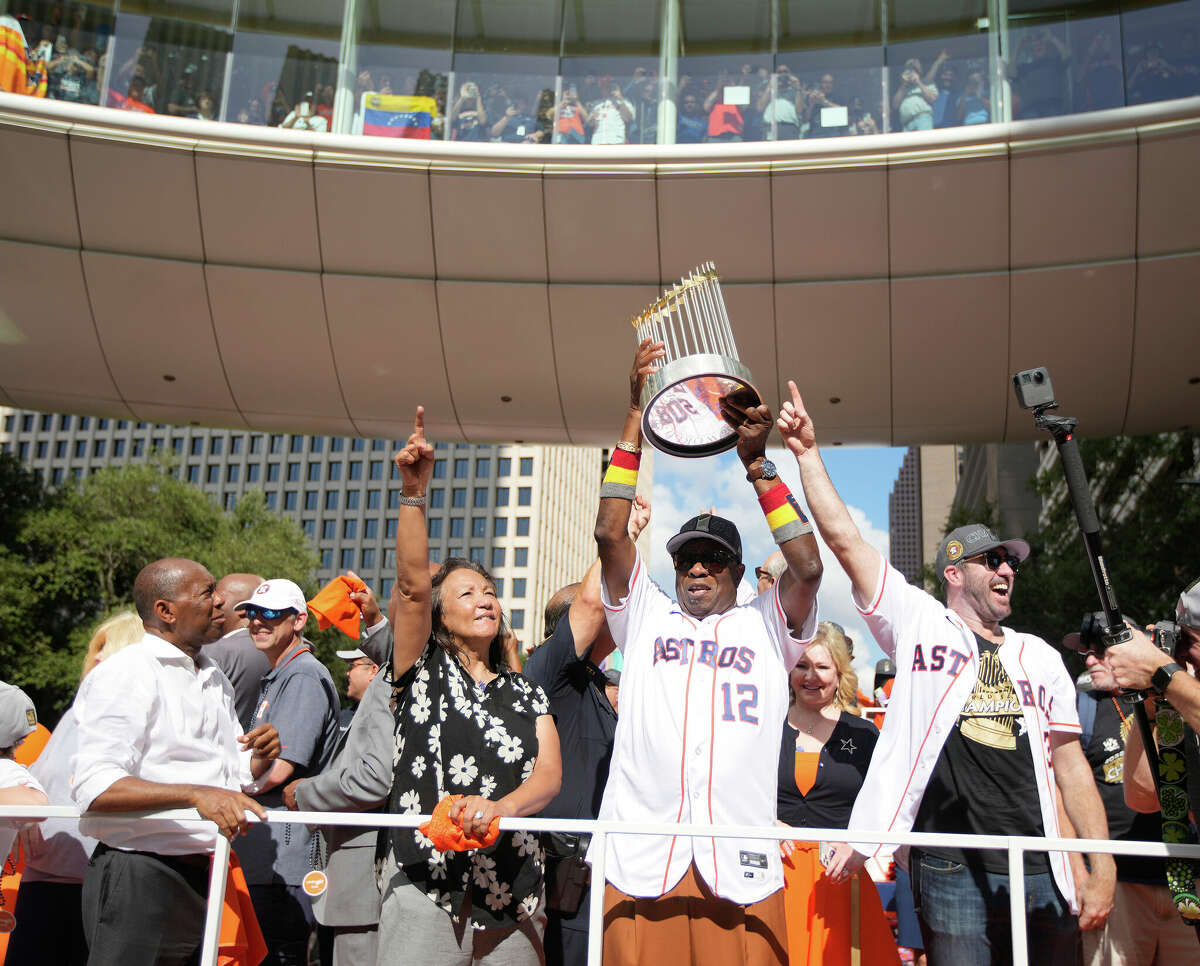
[[411, 608], [794, 534], [617, 553], [858, 558]]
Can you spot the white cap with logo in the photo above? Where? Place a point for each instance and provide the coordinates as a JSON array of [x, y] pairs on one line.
[[18, 717], [280, 594]]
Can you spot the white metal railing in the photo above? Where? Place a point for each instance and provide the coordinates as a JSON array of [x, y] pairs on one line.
[[1015, 846]]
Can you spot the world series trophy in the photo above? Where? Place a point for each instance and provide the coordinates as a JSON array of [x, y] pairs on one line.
[[681, 400]]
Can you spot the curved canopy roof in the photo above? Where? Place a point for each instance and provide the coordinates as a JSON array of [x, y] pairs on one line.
[[183, 271]]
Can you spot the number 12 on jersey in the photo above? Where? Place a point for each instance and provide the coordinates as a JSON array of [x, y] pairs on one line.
[[747, 695]]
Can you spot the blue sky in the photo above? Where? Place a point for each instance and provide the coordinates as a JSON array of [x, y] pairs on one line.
[[863, 476]]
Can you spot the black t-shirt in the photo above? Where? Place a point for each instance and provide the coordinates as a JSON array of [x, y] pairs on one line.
[[1105, 751], [840, 773], [586, 722], [983, 782]]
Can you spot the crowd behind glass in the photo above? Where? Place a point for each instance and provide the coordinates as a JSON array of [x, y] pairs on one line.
[[274, 74]]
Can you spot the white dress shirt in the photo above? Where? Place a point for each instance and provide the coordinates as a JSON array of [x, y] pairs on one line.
[[148, 712]]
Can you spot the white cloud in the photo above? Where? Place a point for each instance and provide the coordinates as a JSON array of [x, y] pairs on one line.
[[684, 488]]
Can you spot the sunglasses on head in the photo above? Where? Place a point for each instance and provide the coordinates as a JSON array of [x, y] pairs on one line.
[[992, 559], [714, 561], [265, 613]]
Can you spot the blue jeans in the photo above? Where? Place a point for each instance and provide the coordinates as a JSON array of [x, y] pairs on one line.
[[965, 918]]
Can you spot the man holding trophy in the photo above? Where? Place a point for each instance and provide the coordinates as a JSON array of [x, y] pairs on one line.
[[704, 690]]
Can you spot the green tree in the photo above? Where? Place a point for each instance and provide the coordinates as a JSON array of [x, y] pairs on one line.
[[71, 558]]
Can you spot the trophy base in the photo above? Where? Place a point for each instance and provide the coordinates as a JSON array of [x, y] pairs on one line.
[[681, 405]]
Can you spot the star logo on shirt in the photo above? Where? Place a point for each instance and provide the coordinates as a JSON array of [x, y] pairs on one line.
[[848, 746]]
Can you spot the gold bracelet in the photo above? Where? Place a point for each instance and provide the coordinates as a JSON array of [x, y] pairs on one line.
[[629, 447]]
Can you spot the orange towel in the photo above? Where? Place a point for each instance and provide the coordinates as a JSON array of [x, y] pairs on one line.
[[807, 763], [28, 750], [447, 835], [241, 942], [333, 605]]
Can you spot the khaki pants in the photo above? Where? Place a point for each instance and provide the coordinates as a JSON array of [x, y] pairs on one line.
[[691, 925], [1143, 930]]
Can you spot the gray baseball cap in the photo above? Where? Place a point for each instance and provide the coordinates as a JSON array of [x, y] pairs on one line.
[[971, 540], [1187, 611], [18, 716]]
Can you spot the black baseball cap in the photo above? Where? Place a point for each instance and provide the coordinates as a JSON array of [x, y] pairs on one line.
[[972, 540], [706, 526]]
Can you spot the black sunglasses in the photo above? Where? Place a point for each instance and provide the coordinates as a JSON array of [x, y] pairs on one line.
[[716, 562], [994, 558], [265, 613]]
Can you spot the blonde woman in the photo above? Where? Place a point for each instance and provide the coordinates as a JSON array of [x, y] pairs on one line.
[[823, 759], [119, 631]]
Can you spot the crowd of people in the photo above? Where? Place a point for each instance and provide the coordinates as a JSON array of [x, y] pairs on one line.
[[738, 706], [1053, 70]]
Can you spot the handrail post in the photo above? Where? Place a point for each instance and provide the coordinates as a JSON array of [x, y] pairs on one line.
[[599, 848], [216, 902], [1016, 904]]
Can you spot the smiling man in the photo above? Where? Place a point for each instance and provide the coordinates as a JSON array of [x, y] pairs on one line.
[[704, 694], [981, 737], [297, 696]]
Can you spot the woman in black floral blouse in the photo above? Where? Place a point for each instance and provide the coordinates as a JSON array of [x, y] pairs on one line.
[[464, 725]]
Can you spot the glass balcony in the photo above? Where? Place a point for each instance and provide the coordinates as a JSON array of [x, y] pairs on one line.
[[608, 71]]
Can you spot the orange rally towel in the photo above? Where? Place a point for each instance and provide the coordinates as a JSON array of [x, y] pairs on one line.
[[807, 763], [241, 942], [333, 605], [447, 835]]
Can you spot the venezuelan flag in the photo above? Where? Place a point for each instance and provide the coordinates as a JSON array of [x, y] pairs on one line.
[[398, 115]]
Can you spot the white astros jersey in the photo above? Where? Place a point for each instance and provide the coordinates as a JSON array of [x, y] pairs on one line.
[[702, 710]]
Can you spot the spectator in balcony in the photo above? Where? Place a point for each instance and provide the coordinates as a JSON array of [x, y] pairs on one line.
[[206, 107], [1101, 85], [254, 112], [134, 99], [182, 102], [1154, 78], [304, 116], [914, 99], [644, 129], [325, 104], [726, 122], [691, 125], [280, 108], [468, 117], [573, 118], [823, 760], [143, 66], [943, 76], [72, 77], [862, 121], [1041, 75], [823, 123], [611, 115], [778, 102], [974, 107], [516, 125]]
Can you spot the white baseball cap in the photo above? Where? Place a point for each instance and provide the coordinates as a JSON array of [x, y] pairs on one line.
[[18, 717], [1187, 611], [279, 594], [353, 655]]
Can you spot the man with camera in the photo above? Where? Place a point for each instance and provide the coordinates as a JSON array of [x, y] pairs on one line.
[[981, 736]]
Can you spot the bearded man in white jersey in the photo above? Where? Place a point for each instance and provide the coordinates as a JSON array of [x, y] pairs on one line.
[[703, 697]]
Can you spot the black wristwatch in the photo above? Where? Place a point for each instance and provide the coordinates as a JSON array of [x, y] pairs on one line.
[[1161, 678], [761, 469]]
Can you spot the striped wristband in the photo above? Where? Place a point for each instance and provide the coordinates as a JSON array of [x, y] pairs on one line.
[[620, 480], [783, 513]]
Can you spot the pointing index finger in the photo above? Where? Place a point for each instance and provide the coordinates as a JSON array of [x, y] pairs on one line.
[[419, 422], [797, 402]]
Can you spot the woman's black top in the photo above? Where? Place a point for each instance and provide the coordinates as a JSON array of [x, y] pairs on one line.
[[840, 773], [454, 737]]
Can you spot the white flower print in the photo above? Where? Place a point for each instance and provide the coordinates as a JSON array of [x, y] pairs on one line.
[[524, 843], [418, 766], [499, 896], [496, 733], [437, 866], [487, 785], [420, 708], [410, 803], [483, 870], [443, 707], [435, 739], [527, 769], [481, 717], [510, 748], [463, 770], [423, 840], [528, 907]]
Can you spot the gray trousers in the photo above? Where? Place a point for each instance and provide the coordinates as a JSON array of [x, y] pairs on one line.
[[412, 930], [355, 945]]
